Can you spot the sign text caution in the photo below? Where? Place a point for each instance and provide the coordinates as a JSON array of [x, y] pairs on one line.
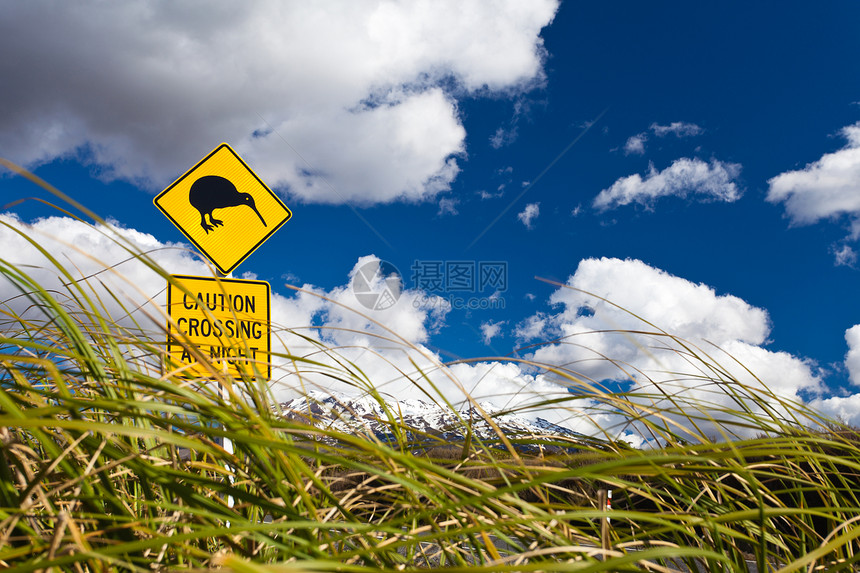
[[225, 320]]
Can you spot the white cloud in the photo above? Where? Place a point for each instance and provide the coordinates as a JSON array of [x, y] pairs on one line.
[[341, 101], [844, 256], [504, 137], [826, 188], [290, 277], [491, 329], [841, 408], [532, 327], [409, 319], [686, 309], [448, 206], [852, 359], [846, 408], [487, 195], [713, 181], [508, 134], [677, 128], [602, 341], [98, 263], [529, 214], [635, 144]]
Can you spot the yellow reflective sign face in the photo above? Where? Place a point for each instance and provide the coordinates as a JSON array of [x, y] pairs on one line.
[[223, 208], [225, 320]]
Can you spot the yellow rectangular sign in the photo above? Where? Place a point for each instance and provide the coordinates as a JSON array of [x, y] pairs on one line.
[[225, 320]]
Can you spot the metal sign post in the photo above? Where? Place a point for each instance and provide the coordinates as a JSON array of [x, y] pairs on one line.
[[227, 212]]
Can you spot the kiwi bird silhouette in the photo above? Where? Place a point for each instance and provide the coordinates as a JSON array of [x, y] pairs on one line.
[[212, 192]]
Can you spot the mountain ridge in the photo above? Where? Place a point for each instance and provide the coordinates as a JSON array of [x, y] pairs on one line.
[[424, 422]]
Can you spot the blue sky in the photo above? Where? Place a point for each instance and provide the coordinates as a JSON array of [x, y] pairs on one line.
[[696, 163]]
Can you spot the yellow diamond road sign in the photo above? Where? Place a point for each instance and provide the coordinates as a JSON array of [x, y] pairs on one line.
[[223, 208], [225, 320]]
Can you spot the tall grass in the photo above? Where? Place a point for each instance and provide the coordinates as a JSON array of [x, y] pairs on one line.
[[108, 463]]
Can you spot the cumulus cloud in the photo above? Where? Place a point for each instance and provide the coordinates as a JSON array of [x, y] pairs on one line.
[[408, 317], [351, 101], [846, 408], [98, 263], [600, 340], [529, 214], [841, 408], [714, 181], [824, 189]]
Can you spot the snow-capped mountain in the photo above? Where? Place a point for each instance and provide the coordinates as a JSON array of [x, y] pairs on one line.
[[425, 422]]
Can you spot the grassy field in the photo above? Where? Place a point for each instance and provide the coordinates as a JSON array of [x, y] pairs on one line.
[[107, 463]]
